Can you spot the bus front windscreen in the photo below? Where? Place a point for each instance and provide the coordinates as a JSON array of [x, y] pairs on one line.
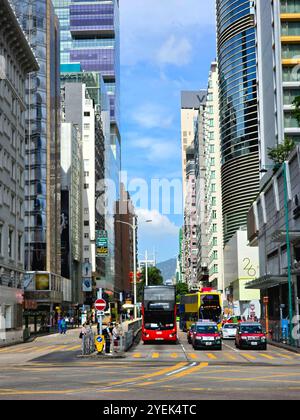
[[159, 321], [210, 308]]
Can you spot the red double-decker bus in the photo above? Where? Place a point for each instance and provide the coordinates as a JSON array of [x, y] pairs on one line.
[[159, 314]]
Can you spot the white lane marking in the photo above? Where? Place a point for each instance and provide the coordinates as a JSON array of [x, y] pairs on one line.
[[231, 348], [180, 370]]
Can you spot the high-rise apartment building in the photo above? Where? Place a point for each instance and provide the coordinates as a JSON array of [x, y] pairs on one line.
[[278, 50], [238, 110], [190, 221], [16, 61], [190, 104], [213, 184]]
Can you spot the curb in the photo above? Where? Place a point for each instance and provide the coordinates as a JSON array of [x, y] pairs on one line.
[[284, 346]]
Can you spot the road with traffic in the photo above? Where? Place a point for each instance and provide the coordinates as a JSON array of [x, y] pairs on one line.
[[51, 368]]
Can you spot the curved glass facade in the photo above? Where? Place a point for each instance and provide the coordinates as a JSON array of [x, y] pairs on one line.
[[238, 110]]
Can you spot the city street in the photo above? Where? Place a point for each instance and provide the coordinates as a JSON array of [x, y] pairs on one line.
[[50, 368]]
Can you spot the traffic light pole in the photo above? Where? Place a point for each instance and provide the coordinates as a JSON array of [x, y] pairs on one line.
[[99, 296]]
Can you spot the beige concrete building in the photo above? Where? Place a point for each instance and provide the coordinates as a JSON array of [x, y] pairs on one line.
[[214, 217], [190, 104]]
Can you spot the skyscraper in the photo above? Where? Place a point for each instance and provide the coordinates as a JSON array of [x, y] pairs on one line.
[[238, 110], [42, 215]]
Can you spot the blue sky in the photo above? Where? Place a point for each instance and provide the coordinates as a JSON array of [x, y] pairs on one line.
[[166, 47]]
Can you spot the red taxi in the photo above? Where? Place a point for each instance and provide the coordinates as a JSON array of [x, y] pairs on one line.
[[250, 335], [206, 335]]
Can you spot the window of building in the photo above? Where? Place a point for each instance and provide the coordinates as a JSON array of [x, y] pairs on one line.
[[86, 174], [86, 249], [86, 186], [214, 201], [86, 223], [86, 210], [214, 228], [20, 236], [87, 114], [1, 239], [86, 236], [214, 214], [87, 126], [10, 243]]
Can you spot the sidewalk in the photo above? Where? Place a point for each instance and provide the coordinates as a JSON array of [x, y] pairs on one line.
[[284, 346]]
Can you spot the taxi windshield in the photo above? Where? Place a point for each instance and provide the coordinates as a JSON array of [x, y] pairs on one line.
[[207, 329], [251, 329]]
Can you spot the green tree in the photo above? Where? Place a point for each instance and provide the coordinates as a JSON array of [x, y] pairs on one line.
[[154, 279], [181, 289], [296, 111], [281, 153]]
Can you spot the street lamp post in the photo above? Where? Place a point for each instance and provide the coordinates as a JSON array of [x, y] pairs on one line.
[[134, 228]]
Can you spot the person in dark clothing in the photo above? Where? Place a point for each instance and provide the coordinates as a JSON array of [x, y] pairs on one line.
[[107, 336]]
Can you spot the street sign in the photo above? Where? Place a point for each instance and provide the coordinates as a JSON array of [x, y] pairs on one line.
[[100, 304], [100, 313]]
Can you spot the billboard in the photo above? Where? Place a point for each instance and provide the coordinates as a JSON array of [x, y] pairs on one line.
[[101, 243], [42, 281]]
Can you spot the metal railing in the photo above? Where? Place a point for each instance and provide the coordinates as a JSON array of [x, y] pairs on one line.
[[88, 343]]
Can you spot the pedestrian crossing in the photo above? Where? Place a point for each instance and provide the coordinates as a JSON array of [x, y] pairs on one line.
[[28, 349], [221, 356]]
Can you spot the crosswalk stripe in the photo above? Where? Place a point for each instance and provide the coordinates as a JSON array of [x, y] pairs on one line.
[[137, 355], [284, 356], [211, 356], [192, 356], [267, 356], [249, 356], [155, 355], [230, 356]]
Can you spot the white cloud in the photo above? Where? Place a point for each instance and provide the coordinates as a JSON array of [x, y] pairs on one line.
[[147, 24], [157, 150], [175, 51], [152, 116], [160, 226]]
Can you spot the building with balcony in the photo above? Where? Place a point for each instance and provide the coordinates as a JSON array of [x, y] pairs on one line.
[[16, 61], [278, 51]]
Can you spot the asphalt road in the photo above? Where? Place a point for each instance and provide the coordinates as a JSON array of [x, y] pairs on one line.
[[51, 368]]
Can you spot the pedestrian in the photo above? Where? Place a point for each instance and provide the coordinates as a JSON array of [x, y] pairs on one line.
[[83, 331], [59, 326], [116, 335], [63, 326], [108, 336]]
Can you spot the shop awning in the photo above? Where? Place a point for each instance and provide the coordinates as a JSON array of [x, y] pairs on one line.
[[280, 236], [267, 282]]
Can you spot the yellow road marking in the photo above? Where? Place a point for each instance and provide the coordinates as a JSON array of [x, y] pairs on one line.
[[189, 371], [155, 355], [137, 355], [192, 356], [152, 375], [75, 348], [174, 355], [211, 356], [248, 356], [230, 356], [284, 356], [267, 356]]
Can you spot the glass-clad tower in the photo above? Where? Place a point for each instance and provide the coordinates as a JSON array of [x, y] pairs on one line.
[[43, 197], [238, 111]]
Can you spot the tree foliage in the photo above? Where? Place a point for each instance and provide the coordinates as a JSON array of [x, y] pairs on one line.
[[296, 111], [154, 279], [181, 289], [281, 153]]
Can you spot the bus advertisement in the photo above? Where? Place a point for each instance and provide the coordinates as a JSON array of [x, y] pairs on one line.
[[203, 305], [159, 314]]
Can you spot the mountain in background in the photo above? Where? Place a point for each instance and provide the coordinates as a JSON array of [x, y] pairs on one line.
[[168, 268]]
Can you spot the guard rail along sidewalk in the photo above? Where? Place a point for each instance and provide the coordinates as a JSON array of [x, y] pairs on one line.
[[130, 331]]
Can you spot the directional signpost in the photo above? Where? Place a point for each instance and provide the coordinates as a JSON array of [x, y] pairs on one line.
[[101, 243], [100, 306]]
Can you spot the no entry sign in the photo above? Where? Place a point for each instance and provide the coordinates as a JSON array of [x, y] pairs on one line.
[[100, 304]]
